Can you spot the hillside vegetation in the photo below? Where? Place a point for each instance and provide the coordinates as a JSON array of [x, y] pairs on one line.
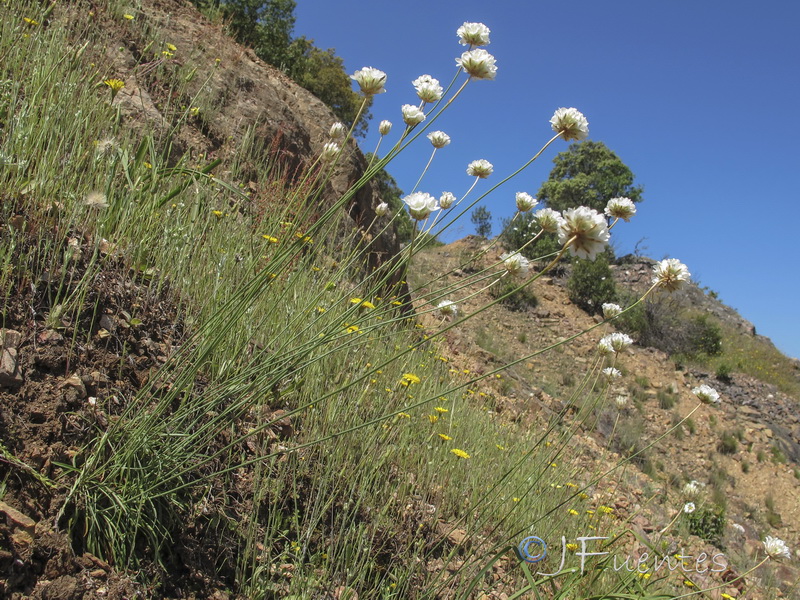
[[223, 377]]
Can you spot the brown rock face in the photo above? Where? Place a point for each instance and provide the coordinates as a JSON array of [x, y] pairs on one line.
[[247, 95]]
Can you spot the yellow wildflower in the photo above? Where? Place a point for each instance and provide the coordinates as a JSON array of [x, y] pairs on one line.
[[367, 304], [356, 300], [572, 547], [499, 447], [446, 438], [570, 484], [515, 499], [403, 415], [644, 575], [606, 509], [217, 213], [433, 418], [459, 453], [171, 47], [439, 409], [128, 17], [573, 512], [30, 22], [583, 495], [726, 597], [353, 329], [688, 583], [410, 378], [167, 53]]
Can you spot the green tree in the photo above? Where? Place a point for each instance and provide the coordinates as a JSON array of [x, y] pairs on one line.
[[482, 219], [588, 174], [591, 283], [322, 73]]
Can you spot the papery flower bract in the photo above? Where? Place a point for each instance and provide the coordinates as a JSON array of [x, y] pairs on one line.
[[705, 393], [571, 123], [612, 373], [480, 168], [473, 34], [420, 205], [515, 263], [611, 310], [412, 115], [614, 343], [620, 208], [670, 274], [439, 139], [525, 201], [370, 80], [337, 131], [448, 308], [776, 548], [329, 151], [385, 127], [382, 209], [689, 508], [620, 401], [693, 489], [548, 219], [478, 64], [587, 229], [446, 200], [428, 88], [96, 200]]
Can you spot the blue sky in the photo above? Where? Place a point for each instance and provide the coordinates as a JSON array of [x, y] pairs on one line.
[[698, 98]]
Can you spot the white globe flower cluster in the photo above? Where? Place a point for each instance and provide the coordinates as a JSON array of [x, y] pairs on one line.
[[614, 343], [428, 88], [515, 264], [421, 205], [705, 393], [585, 230]]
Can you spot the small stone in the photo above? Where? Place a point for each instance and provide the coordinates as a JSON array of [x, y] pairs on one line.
[[16, 519]]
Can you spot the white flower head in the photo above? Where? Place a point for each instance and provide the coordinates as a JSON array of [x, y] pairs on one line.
[[587, 229], [611, 310], [96, 200], [412, 115], [670, 274], [337, 131], [571, 123], [421, 205], [370, 80], [439, 139], [689, 508], [473, 34], [776, 548], [705, 393], [612, 373], [620, 208], [446, 200], [693, 489], [106, 146], [620, 401], [478, 64], [428, 88], [515, 263], [548, 219], [525, 201], [447, 308], [614, 343], [329, 151], [480, 168], [382, 209], [385, 127]]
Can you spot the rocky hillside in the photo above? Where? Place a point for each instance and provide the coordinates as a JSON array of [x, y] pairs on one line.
[[744, 453], [69, 376]]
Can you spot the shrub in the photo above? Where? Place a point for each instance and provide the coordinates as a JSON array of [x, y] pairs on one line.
[[591, 283], [521, 300], [724, 372], [666, 400], [660, 323], [708, 522], [728, 443]]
